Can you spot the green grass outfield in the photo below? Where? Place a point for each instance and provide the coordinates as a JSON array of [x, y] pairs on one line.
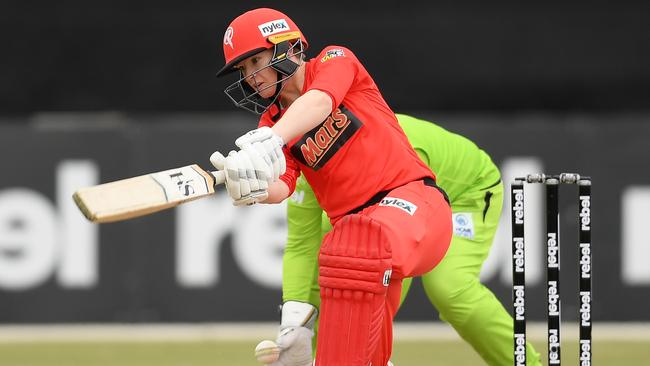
[[165, 346]]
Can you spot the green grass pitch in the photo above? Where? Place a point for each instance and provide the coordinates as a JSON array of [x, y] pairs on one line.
[[240, 353]]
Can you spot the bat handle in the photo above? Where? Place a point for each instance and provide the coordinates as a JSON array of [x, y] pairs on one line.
[[219, 177]]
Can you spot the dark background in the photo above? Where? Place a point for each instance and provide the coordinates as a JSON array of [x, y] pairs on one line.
[[152, 56]]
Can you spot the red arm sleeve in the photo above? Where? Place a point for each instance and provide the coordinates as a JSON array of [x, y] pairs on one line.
[[292, 173], [334, 72]]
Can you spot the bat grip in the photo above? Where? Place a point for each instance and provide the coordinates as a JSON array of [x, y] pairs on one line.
[[219, 177]]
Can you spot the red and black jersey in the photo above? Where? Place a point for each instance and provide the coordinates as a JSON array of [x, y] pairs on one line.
[[360, 149]]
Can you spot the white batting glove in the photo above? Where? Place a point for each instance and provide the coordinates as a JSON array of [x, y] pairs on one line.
[[245, 184], [266, 145], [295, 335]]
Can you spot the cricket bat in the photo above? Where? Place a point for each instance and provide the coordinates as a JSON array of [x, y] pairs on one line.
[[139, 196]]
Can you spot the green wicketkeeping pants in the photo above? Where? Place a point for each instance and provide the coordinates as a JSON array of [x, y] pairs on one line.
[[461, 299]]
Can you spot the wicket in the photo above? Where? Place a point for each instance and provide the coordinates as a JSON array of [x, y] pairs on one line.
[[553, 307]]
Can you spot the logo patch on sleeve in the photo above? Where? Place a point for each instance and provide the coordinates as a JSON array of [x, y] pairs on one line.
[[463, 225], [403, 205], [330, 54]]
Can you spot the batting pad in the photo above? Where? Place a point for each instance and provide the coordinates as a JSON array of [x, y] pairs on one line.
[[355, 267]]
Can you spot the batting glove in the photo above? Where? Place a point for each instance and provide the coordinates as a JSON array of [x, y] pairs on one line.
[[264, 144], [245, 182]]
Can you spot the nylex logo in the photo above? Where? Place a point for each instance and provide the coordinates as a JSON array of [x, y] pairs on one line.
[[553, 299], [585, 212], [520, 349], [552, 250], [404, 205], [585, 308], [585, 352], [273, 27], [585, 260], [553, 347], [518, 206], [519, 303], [518, 255]]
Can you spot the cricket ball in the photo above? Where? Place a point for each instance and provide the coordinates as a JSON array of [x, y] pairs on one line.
[[267, 352]]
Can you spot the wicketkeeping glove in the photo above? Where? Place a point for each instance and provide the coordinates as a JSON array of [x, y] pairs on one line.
[[296, 332], [264, 144], [246, 181]]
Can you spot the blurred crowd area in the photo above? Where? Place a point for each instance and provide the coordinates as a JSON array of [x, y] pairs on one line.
[[161, 56]]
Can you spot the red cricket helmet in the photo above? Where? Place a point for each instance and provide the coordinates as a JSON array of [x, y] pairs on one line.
[[255, 31]]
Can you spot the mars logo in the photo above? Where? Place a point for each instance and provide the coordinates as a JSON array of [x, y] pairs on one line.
[[317, 146]]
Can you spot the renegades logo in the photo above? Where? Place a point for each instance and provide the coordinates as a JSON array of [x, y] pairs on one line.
[[317, 146]]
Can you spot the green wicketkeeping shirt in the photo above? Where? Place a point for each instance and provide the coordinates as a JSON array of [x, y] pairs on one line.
[[461, 169]]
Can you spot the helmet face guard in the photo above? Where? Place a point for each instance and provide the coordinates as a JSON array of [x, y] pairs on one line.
[[253, 32], [245, 96]]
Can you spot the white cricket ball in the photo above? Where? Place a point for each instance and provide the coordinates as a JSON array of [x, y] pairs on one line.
[[267, 352]]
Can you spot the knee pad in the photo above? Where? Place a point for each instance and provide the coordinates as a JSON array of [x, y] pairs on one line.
[[355, 268]]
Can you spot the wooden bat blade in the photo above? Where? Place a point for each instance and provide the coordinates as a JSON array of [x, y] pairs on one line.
[[146, 194]]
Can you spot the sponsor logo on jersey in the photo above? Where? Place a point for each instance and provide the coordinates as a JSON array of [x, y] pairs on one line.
[[272, 27], [318, 146], [330, 54], [463, 225], [403, 205]]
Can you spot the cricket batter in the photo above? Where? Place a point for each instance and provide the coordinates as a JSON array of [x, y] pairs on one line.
[[326, 118], [473, 183]]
